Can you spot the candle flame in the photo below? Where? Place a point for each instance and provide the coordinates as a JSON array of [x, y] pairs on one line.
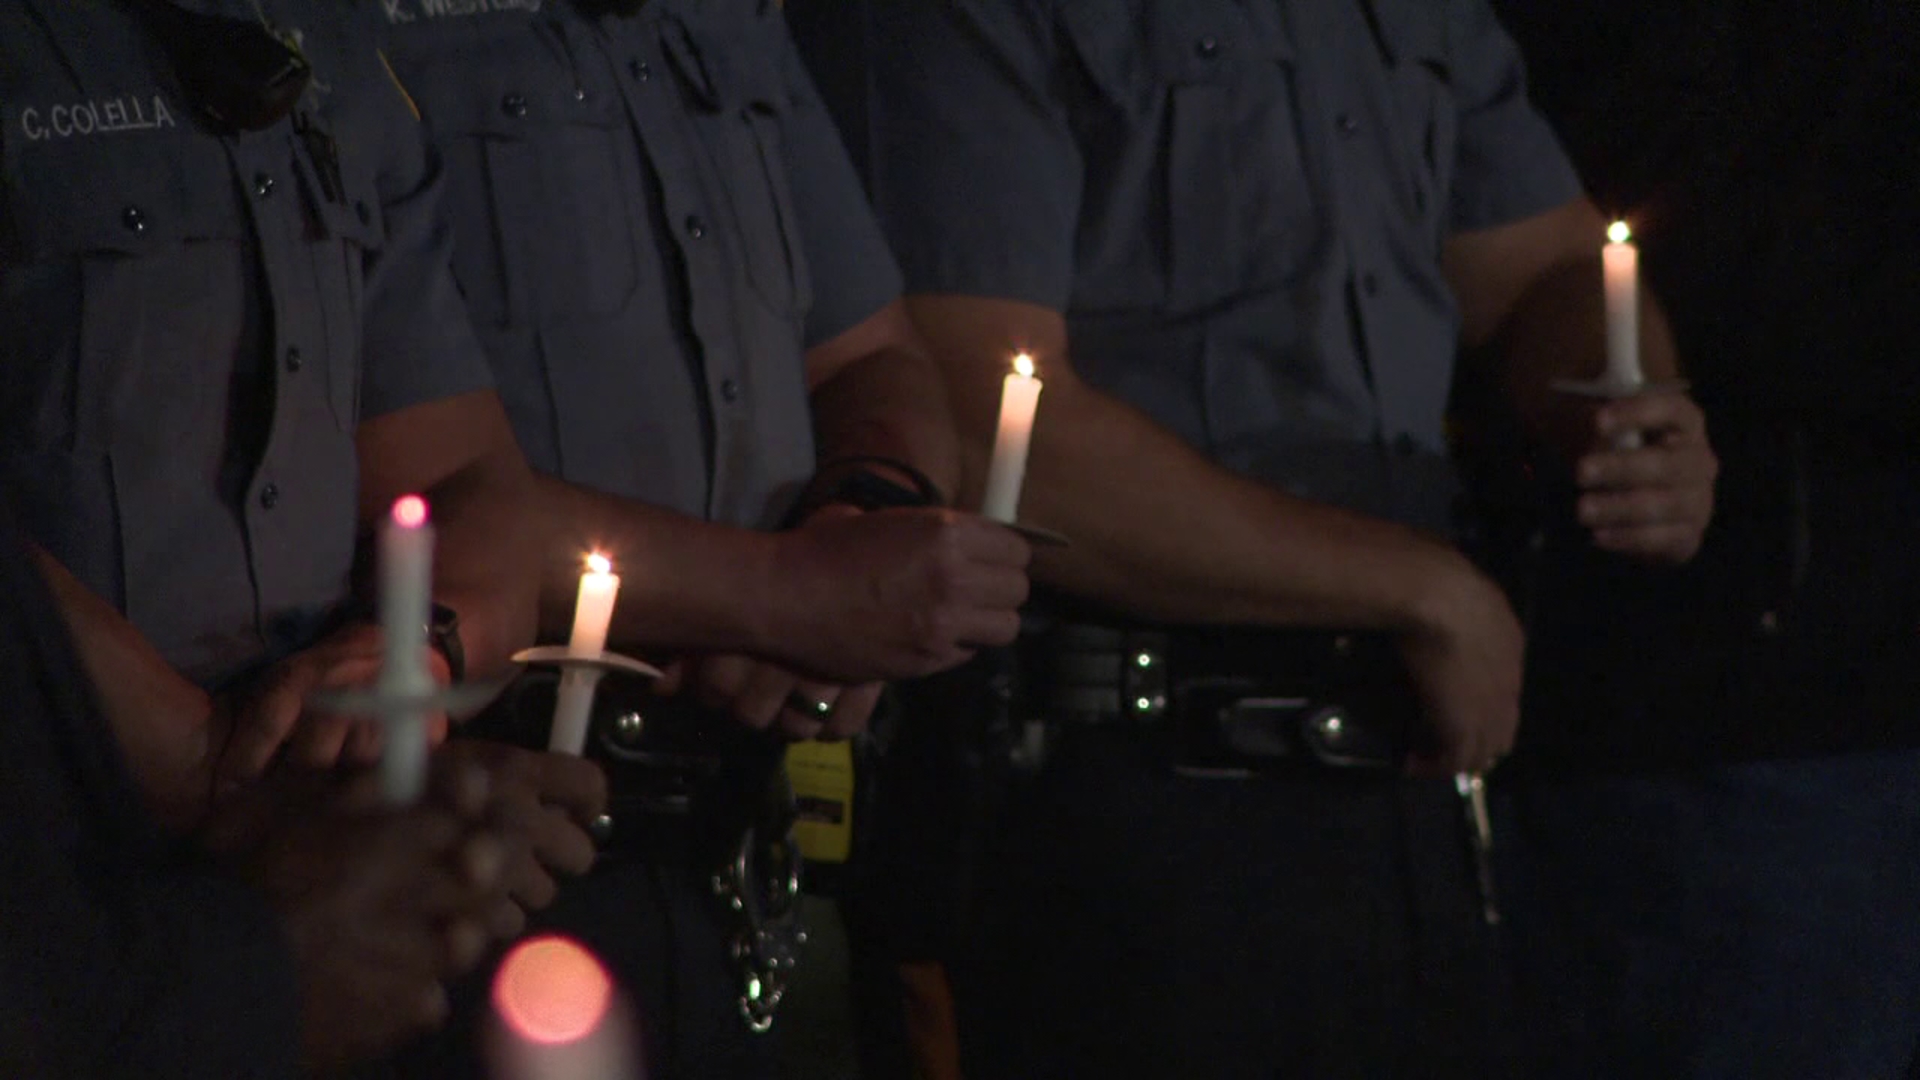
[[599, 563], [552, 991], [410, 512], [1619, 233], [1023, 366]]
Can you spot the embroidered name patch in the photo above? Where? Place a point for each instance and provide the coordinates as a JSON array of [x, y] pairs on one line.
[[406, 11], [129, 112]]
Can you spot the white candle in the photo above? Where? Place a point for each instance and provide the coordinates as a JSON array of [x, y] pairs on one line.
[[592, 616], [1622, 265], [1019, 398], [406, 594]]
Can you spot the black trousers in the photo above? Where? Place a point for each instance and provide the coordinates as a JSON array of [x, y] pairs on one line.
[[1133, 922]]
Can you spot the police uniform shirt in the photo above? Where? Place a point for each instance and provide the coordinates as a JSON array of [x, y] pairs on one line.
[[192, 326], [654, 218], [1238, 205]]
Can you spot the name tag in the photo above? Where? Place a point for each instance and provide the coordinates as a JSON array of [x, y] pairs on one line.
[[106, 116]]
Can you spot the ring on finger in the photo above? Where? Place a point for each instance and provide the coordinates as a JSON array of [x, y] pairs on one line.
[[811, 708]]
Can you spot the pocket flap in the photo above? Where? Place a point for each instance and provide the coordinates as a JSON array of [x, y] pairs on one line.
[[81, 196]]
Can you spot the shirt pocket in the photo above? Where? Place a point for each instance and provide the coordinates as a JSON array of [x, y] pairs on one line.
[[1204, 92], [736, 84], [121, 261], [541, 175], [1424, 103]]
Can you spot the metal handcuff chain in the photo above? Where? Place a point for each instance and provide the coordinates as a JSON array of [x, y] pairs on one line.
[[767, 941]]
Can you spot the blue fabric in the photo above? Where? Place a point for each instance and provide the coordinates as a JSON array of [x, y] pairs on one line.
[[1746, 922]]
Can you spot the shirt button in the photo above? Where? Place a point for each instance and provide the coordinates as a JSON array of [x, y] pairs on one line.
[[1405, 445], [263, 185], [641, 70], [363, 212], [135, 219], [1347, 124], [696, 227], [1770, 623], [729, 391], [579, 93], [1207, 48], [514, 105], [295, 361], [1370, 283], [269, 496]]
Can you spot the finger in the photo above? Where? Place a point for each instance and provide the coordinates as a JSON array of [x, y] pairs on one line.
[[1635, 509], [365, 741], [319, 739], [463, 942], [506, 920], [1672, 414], [575, 785], [260, 729], [993, 588], [673, 679], [852, 712], [562, 845], [796, 729], [458, 782], [764, 696], [1653, 542], [986, 627], [719, 680], [983, 540], [1689, 465], [530, 886]]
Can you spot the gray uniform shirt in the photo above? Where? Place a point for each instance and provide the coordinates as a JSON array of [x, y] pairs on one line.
[[654, 218], [1238, 204], [191, 327]]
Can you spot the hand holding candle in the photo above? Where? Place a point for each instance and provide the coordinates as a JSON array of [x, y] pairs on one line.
[[1019, 399]]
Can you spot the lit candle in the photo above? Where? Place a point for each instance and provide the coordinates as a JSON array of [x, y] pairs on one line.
[[406, 592], [1019, 398], [1622, 262], [592, 615]]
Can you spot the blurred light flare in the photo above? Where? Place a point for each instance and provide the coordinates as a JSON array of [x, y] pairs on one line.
[[599, 564], [552, 991]]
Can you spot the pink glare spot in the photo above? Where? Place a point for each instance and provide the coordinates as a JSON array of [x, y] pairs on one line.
[[410, 511], [551, 990]]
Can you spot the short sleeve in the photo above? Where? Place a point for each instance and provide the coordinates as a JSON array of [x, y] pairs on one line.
[[1509, 164], [853, 271], [989, 203], [417, 345]]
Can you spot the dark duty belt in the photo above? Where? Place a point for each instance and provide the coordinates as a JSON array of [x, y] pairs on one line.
[[1229, 701], [691, 789]]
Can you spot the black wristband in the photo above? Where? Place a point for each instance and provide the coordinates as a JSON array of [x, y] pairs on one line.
[[851, 482], [443, 633]]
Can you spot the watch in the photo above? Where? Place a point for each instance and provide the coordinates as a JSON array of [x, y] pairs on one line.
[[443, 633]]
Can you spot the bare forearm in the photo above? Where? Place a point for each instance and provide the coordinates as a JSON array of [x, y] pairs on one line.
[[684, 583], [460, 453], [484, 565], [162, 721], [877, 393], [1157, 529], [1163, 533]]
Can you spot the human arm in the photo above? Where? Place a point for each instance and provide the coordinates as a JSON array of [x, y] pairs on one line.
[[1531, 301], [169, 729], [1521, 260]]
